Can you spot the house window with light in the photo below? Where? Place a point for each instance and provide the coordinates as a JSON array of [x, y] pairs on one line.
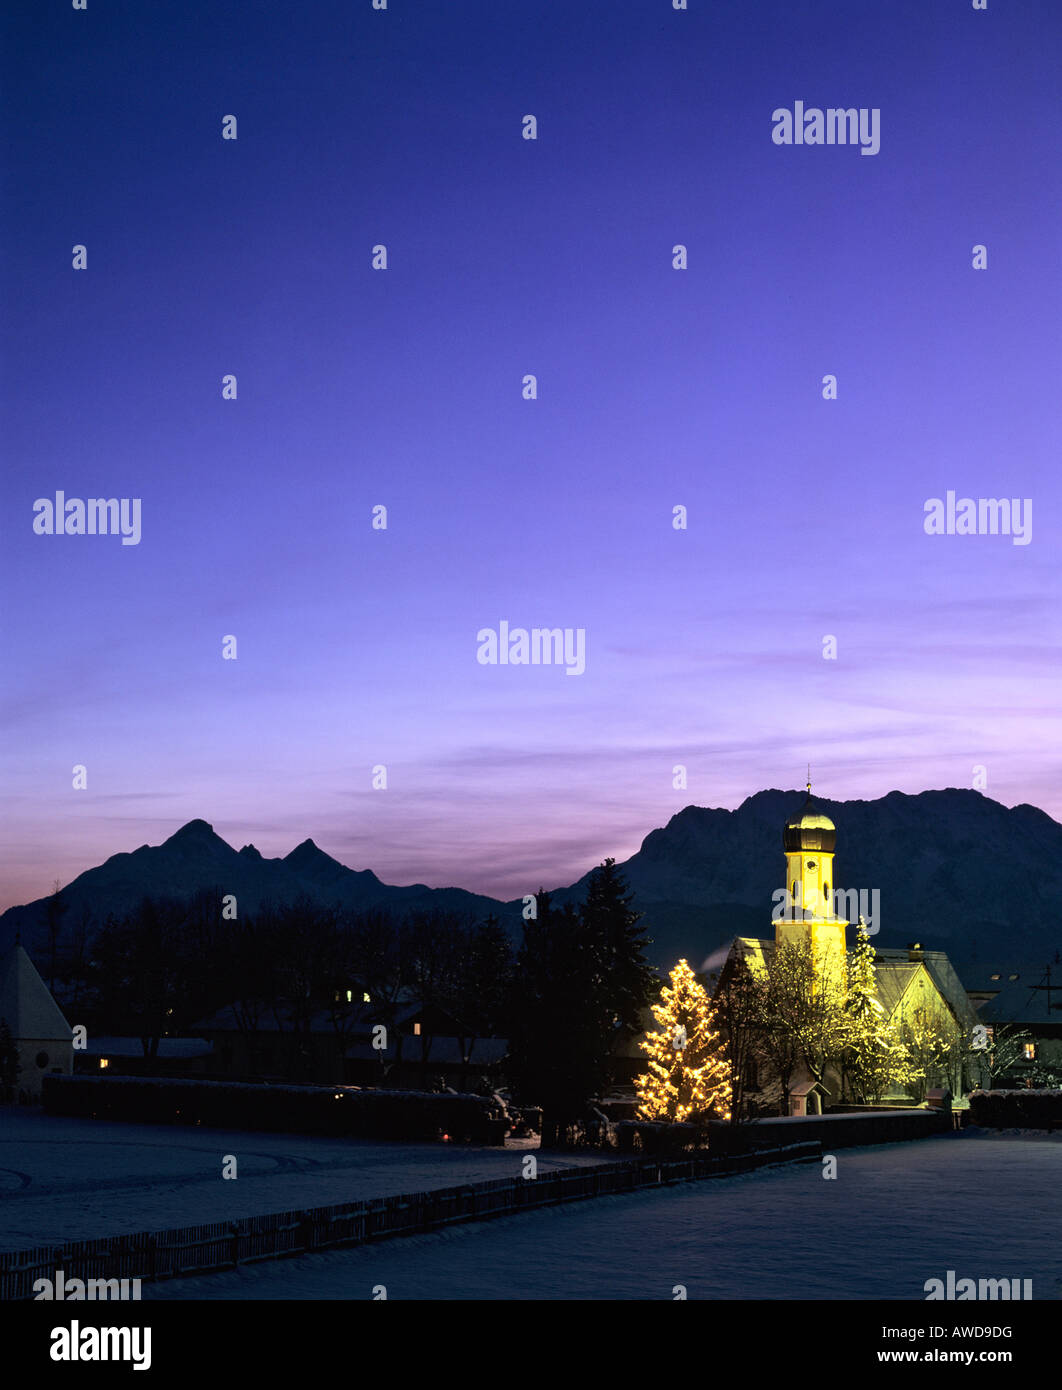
[[1029, 1049]]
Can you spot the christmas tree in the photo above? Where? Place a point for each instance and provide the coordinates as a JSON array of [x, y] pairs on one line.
[[688, 1073]]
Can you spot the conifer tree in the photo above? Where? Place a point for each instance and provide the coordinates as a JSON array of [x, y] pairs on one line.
[[581, 984], [613, 932], [556, 1055], [688, 1074]]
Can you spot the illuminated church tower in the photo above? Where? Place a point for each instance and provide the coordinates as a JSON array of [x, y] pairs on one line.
[[808, 839]]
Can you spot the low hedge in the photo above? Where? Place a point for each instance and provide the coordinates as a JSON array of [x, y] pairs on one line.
[[416, 1115], [656, 1139], [1018, 1109]]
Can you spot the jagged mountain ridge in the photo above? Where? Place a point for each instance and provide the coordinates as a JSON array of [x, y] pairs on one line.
[[956, 871], [196, 858]]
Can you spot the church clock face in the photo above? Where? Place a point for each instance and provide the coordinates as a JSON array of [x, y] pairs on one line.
[[811, 863]]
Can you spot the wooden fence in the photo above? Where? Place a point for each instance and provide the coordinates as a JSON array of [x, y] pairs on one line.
[[224, 1245]]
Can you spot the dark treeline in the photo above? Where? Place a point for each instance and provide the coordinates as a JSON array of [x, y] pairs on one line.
[[573, 991], [167, 965]]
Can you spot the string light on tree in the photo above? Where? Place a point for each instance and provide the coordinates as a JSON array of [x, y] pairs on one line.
[[687, 1073]]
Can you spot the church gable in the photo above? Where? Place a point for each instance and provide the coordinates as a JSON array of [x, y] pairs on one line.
[[26, 1003], [906, 986]]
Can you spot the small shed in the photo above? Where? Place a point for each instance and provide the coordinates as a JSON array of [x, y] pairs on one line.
[[806, 1098]]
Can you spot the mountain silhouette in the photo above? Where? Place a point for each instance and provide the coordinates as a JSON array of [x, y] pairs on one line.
[[955, 871], [196, 858]]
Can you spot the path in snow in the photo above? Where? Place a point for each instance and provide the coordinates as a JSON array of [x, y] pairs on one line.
[[895, 1216], [65, 1179]]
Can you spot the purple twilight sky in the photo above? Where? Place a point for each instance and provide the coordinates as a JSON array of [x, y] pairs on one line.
[[657, 388]]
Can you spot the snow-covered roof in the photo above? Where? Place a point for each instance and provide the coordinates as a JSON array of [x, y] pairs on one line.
[[893, 979], [485, 1051], [171, 1048], [26, 1002], [893, 972], [354, 1017], [226, 1021], [1021, 1003]]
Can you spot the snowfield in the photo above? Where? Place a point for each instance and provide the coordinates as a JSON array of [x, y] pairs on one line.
[[985, 1204], [895, 1216], [65, 1179]]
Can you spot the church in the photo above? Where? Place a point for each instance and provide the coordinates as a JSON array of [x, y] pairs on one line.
[[915, 987]]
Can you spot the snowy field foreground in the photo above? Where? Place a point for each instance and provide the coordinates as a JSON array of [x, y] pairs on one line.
[[895, 1216], [67, 1179]]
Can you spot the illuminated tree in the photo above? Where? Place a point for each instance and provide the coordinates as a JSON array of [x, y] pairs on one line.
[[804, 1019], [928, 1047], [738, 1007], [688, 1074], [874, 1056]]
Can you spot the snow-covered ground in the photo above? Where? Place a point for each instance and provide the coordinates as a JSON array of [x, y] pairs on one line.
[[895, 1216], [986, 1205], [70, 1179]]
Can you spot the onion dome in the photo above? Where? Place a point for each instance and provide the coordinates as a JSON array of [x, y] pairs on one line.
[[810, 829]]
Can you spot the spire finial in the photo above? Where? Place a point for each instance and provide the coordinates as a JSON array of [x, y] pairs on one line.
[[809, 779]]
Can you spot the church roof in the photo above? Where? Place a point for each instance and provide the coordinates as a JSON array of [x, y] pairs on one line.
[[26, 1003], [812, 829], [893, 973], [892, 979], [939, 969]]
